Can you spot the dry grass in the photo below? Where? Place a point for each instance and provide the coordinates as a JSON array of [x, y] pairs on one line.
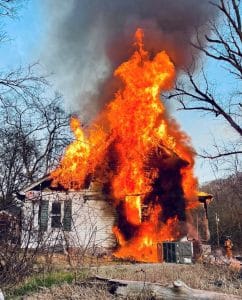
[[72, 292], [199, 276]]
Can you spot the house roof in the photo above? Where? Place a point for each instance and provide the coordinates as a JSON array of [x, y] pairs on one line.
[[40, 185], [202, 196], [46, 181], [92, 191]]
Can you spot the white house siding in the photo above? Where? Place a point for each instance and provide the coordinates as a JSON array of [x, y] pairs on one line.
[[91, 226], [30, 230], [92, 223]]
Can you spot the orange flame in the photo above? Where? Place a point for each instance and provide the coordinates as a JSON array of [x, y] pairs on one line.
[[133, 209], [134, 124]]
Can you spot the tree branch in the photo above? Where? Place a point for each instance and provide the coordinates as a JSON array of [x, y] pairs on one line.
[[220, 154]]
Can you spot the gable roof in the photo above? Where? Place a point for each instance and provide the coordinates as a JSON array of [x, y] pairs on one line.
[[91, 189], [38, 185]]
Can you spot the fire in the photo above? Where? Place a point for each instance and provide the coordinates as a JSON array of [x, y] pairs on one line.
[[133, 209], [143, 247], [140, 153]]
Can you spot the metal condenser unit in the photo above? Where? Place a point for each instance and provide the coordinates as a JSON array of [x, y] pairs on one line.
[[176, 252]]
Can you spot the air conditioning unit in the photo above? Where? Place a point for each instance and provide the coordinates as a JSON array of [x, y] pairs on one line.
[[176, 252]]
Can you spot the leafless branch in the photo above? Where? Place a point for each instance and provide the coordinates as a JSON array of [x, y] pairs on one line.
[[220, 154], [195, 91]]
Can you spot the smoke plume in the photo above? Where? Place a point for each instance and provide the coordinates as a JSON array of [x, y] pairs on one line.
[[88, 39]]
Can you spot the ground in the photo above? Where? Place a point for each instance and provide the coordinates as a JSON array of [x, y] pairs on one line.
[[200, 276]]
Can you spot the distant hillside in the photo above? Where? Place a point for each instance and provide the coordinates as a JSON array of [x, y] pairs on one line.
[[228, 206]]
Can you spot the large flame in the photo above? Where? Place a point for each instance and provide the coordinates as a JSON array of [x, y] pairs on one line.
[[139, 154]]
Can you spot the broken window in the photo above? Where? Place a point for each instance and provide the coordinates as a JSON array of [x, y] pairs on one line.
[[56, 215]]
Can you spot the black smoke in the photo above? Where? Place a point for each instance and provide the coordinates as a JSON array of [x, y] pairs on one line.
[[88, 39]]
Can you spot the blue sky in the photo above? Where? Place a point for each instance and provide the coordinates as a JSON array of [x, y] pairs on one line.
[[24, 35], [28, 30]]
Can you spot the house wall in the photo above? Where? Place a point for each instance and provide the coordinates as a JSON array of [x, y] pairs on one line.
[[92, 219]]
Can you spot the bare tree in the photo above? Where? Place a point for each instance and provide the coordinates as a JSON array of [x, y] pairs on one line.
[[20, 81], [196, 92], [227, 208], [8, 8], [34, 133], [33, 127]]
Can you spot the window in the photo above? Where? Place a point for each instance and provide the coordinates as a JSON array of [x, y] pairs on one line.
[[43, 215], [56, 215], [67, 215]]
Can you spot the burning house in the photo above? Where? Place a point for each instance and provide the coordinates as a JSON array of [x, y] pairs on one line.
[[139, 156], [126, 181], [86, 219], [130, 145]]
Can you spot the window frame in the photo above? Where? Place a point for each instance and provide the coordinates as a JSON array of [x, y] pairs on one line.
[[58, 215]]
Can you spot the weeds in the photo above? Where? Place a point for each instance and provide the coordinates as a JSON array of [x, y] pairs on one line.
[[45, 280]]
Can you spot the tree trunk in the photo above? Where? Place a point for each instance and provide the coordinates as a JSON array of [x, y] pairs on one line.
[[148, 290]]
